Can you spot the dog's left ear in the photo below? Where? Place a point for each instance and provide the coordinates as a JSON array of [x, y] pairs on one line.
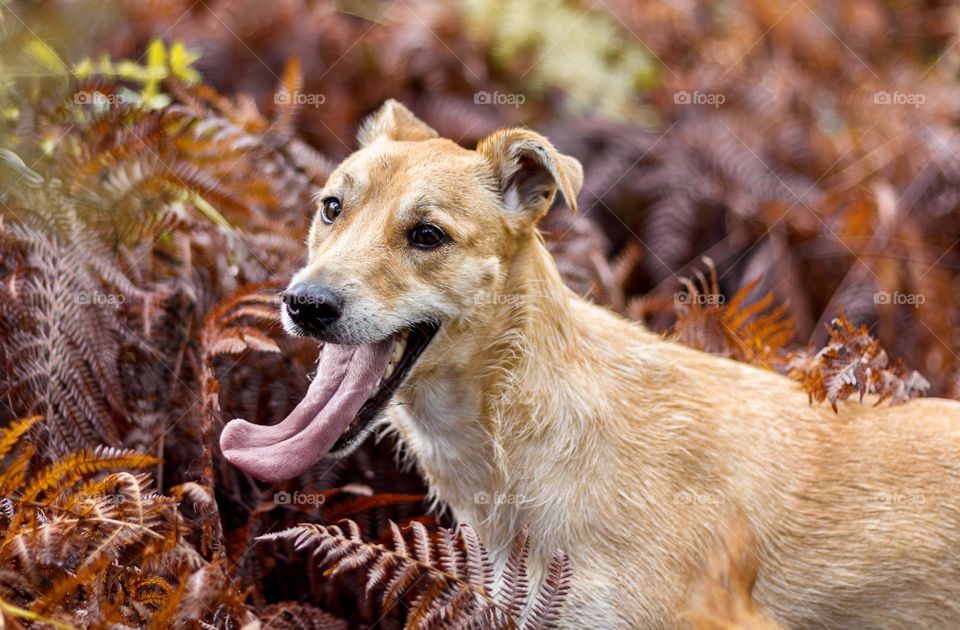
[[394, 122], [529, 171]]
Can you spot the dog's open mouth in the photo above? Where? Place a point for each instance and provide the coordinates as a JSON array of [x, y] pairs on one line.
[[352, 385]]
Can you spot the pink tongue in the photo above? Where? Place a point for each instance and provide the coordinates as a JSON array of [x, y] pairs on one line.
[[346, 378]]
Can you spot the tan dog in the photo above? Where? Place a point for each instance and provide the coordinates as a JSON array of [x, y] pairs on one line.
[[522, 403]]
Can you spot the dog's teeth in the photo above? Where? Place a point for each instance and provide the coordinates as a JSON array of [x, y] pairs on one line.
[[398, 347], [388, 372]]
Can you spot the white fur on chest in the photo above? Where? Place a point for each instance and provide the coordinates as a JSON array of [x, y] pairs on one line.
[[440, 426]]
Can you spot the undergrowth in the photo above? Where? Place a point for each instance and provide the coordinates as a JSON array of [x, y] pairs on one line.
[[154, 197]]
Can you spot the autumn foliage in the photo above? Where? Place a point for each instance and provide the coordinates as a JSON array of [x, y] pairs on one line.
[[158, 162]]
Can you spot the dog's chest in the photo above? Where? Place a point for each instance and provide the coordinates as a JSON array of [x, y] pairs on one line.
[[441, 425]]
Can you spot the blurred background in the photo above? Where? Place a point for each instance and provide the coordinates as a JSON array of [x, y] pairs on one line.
[[157, 161], [808, 143]]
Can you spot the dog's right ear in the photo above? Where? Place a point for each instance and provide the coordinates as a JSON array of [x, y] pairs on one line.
[[529, 170], [393, 121]]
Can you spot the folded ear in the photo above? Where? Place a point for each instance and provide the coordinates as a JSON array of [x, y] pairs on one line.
[[529, 170], [394, 122]]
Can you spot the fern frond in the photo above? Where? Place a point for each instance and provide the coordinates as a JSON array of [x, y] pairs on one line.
[[291, 87], [752, 331], [12, 434], [853, 362], [16, 471], [444, 577], [516, 583], [553, 592], [296, 616], [76, 465]]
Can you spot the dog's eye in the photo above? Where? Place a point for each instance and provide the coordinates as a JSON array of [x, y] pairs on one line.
[[330, 210], [426, 236]]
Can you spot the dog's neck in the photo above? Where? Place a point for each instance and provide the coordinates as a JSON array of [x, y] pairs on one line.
[[489, 406]]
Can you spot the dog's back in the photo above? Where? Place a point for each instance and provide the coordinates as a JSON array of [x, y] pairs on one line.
[[652, 444], [855, 513]]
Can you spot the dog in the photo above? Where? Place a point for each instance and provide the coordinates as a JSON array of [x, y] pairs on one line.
[[445, 320]]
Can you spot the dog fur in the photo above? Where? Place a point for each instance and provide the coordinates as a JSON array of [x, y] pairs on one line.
[[724, 598], [629, 451]]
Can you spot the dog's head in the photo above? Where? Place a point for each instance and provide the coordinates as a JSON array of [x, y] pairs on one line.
[[410, 233], [412, 227]]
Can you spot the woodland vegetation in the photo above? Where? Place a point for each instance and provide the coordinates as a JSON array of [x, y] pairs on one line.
[[772, 181]]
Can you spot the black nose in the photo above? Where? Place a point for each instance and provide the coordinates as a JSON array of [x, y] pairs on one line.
[[312, 306]]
